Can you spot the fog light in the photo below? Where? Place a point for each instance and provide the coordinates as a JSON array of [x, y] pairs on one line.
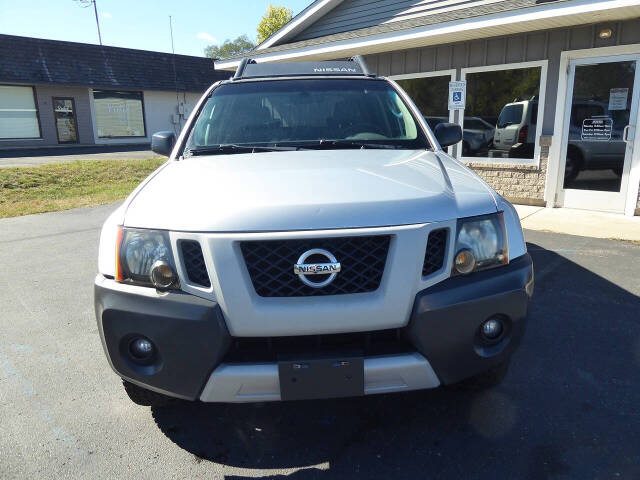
[[465, 261], [492, 328], [162, 275], [141, 348]]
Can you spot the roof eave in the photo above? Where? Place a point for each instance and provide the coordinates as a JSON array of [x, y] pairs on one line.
[[309, 15], [545, 16]]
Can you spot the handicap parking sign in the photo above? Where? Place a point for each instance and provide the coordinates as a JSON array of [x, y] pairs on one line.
[[457, 94]]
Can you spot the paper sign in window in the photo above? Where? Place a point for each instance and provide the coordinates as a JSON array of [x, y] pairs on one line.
[[618, 98]]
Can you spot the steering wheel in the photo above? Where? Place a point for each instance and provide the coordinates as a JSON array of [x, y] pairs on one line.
[[362, 127]]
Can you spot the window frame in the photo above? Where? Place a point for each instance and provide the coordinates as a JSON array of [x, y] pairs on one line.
[[451, 73], [95, 117], [535, 161], [35, 103]]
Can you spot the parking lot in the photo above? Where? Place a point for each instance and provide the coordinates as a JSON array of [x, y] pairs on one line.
[[567, 409]]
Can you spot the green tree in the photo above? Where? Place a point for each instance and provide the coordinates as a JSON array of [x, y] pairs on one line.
[[230, 48], [273, 20]]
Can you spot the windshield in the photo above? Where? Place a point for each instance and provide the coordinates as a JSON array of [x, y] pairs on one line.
[[304, 113], [510, 115]]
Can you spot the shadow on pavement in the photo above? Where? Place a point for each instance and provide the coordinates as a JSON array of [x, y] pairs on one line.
[[568, 407], [71, 150]]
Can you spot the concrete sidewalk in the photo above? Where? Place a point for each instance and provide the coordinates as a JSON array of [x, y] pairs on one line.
[[585, 223]]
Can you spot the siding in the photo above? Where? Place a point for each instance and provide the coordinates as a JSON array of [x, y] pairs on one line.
[[356, 14], [543, 45], [519, 183]]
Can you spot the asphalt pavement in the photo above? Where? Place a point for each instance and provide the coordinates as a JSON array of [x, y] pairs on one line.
[[567, 409]]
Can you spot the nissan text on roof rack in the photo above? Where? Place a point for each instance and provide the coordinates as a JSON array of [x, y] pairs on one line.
[[309, 238]]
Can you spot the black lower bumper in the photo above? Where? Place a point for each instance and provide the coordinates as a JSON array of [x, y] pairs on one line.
[[446, 319], [189, 333], [191, 338]]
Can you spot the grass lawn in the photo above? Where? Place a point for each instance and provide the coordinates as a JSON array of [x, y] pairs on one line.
[[60, 186]]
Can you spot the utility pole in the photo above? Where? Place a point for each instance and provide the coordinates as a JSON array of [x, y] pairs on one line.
[[85, 4], [95, 10]]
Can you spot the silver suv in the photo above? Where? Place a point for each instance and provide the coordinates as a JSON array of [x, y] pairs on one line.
[[309, 238]]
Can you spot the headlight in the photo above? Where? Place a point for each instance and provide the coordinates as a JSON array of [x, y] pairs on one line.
[[144, 258], [481, 243]]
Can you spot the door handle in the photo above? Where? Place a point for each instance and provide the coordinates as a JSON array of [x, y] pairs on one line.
[[625, 133]]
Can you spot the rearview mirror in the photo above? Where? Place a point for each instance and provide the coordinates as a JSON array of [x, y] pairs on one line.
[[447, 134], [162, 142]]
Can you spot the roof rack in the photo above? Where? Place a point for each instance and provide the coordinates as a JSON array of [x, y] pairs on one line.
[[355, 66]]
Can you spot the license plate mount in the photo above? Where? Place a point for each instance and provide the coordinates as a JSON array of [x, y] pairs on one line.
[[321, 377]]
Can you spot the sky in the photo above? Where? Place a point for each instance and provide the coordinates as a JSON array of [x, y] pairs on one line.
[[142, 24]]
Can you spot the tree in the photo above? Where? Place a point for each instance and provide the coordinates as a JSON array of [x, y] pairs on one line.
[[273, 20], [230, 48]]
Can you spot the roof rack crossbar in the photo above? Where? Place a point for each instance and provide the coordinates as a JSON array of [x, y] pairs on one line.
[[249, 68]]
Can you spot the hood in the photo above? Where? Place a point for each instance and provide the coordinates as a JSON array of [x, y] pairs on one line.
[[307, 190]]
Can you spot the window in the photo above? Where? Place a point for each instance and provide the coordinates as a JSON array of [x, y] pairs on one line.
[[500, 120], [119, 114], [303, 112], [18, 112], [430, 96]]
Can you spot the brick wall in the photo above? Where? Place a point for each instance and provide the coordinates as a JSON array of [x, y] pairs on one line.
[[523, 184]]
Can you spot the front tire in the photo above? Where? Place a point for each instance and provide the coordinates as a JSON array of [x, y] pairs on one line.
[[147, 398]]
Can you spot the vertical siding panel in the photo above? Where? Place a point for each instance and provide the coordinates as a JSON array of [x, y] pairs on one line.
[[495, 50], [397, 63], [384, 64], [580, 38], [428, 59], [443, 57], [459, 55], [372, 62], [630, 32], [556, 44], [536, 46], [412, 61], [477, 53], [515, 47]]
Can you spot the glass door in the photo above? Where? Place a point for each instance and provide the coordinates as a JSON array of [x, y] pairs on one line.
[[65, 117], [600, 119]]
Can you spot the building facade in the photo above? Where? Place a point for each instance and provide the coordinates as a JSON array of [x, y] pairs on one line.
[[64, 93], [552, 86]]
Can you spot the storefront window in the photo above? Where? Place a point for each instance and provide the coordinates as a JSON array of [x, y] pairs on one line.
[[430, 96], [501, 114], [119, 114], [18, 112]]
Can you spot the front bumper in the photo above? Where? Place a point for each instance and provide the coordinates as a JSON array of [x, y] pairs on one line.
[[192, 339]]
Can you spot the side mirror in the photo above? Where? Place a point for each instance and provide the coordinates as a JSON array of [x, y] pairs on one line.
[[162, 142], [447, 134]]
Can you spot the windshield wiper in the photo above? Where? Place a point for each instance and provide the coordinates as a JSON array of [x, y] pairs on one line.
[[235, 148], [351, 144]]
